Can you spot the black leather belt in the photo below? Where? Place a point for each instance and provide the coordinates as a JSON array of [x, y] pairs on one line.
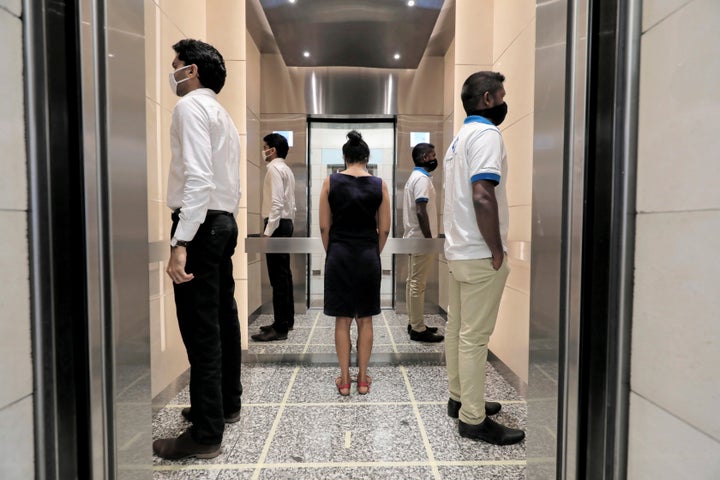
[[210, 213], [213, 213]]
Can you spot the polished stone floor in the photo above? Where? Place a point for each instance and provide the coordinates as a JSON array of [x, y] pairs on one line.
[[294, 425]]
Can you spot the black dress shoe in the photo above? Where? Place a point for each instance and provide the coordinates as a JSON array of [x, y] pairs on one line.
[[231, 418], [453, 409], [265, 328], [491, 432], [426, 336], [429, 329], [184, 446], [269, 336]]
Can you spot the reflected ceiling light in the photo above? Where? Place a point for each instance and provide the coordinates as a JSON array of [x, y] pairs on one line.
[[411, 3], [396, 56], [293, 1], [306, 54]]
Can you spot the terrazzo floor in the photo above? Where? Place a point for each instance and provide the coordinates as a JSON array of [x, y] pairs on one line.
[[294, 424]]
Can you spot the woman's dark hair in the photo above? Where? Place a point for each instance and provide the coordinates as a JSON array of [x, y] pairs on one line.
[[210, 64], [278, 142], [475, 87], [355, 149], [419, 150]]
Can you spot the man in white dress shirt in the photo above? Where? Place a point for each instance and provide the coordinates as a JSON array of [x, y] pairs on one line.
[[278, 211], [203, 194], [420, 221], [476, 225]]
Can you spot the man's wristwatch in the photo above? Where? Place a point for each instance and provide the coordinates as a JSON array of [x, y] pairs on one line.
[[179, 243]]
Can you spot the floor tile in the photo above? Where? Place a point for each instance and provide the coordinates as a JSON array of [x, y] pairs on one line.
[[192, 474], [317, 385], [378, 433], [484, 472], [383, 427], [264, 383], [347, 473]]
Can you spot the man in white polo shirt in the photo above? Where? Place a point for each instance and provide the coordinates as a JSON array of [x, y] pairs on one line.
[[476, 226], [420, 221]]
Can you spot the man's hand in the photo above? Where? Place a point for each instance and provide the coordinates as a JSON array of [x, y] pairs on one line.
[[176, 265], [497, 260]]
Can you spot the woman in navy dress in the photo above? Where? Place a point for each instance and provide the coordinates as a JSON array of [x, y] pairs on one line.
[[354, 225]]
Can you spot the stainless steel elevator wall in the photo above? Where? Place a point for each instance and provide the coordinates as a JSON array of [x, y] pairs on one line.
[[546, 235], [113, 96], [560, 89]]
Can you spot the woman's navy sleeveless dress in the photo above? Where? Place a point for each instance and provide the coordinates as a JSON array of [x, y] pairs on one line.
[[352, 265]]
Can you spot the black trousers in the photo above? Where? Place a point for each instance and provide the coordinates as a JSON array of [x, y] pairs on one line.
[[208, 319], [278, 265]]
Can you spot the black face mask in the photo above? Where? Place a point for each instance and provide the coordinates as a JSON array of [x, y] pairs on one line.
[[495, 114], [430, 166]]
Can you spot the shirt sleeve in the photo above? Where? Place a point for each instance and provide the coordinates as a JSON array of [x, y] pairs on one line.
[[484, 155], [193, 130], [277, 200], [421, 190]]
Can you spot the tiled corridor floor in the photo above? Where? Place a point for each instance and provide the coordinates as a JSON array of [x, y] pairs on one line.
[[294, 425]]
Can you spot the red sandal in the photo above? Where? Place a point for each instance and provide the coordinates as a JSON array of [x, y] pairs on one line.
[[340, 387], [365, 385]]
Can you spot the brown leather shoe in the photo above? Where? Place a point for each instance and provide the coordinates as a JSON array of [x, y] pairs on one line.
[[184, 446]]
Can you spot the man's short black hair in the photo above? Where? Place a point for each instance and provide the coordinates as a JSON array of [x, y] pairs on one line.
[[421, 149], [210, 64], [278, 142], [475, 87]]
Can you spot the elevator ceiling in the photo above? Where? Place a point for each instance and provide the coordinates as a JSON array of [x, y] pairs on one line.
[[356, 33]]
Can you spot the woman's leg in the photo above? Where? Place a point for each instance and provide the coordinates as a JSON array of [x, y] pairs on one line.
[[342, 347], [365, 342]]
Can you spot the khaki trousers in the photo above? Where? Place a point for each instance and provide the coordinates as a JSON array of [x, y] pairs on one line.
[[475, 290], [418, 268]]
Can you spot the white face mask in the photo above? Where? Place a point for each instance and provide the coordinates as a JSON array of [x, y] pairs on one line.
[[266, 155], [174, 83]]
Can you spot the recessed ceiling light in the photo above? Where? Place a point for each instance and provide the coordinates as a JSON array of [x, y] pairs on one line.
[[396, 56], [411, 3], [293, 1], [306, 54]]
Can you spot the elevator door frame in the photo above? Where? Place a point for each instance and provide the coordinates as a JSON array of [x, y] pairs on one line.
[[591, 145]]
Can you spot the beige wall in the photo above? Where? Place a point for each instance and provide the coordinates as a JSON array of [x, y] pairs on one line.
[[255, 169], [16, 376], [500, 35], [165, 24], [675, 379]]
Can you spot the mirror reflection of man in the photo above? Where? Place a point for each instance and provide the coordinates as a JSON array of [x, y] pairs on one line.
[[420, 221], [278, 211]]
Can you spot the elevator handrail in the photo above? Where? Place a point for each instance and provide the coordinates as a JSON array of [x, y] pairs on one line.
[[306, 245]]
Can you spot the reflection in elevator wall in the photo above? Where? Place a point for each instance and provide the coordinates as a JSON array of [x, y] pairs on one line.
[[297, 161], [432, 125], [326, 141]]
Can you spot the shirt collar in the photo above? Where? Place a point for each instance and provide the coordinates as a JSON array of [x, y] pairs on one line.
[[202, 91], [423, 171], [477, 119], [276, 160]]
